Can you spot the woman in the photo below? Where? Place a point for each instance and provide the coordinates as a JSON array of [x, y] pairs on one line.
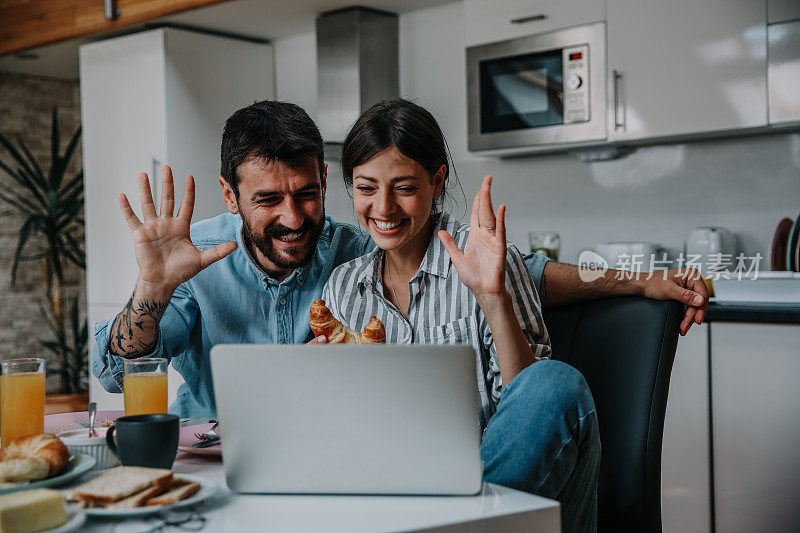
[[539, 423]]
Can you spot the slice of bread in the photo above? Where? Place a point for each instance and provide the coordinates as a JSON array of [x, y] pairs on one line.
[[121, 482], [179, 490], [137, 500]]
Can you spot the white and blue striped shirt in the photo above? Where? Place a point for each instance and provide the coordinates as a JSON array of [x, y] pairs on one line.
[[442, 310]]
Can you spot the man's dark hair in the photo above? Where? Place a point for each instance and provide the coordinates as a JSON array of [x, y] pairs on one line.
[[274, 131]]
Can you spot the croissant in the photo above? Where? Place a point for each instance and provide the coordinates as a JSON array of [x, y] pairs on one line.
[[324, 323], [33, 457]]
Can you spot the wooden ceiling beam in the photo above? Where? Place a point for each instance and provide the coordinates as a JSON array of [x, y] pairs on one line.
[[26, 24]]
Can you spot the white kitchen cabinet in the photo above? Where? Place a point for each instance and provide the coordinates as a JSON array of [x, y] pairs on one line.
[[106, 401], [489, 21], [685, 67], [123, 108], [783, 74], [685, 473], [782, 10], [755, 371], [159, 96]]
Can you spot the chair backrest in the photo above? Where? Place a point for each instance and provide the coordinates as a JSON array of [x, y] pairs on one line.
[[624, 347]]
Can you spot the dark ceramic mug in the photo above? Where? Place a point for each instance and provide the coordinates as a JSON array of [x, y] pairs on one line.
[[145, 440]]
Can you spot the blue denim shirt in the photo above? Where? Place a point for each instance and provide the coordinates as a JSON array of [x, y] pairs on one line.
[[234, 301]]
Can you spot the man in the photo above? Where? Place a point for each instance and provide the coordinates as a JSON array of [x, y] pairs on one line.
[[250, 275]]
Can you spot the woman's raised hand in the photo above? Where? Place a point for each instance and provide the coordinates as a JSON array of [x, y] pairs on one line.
[[482, 265], [165, 253]]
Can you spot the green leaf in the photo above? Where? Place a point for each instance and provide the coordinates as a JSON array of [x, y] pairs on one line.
[[53, 204], [15, 154], [67, 218], [50, 321], [74, 347], [55, 145], [37, 170], [34, 257], [57, 170], [30, 226], [73, 143], [73, 252], [71, 201], [19, 207], [53, 346], [75, 242], [18, 197], [20, 177], [75, 181]]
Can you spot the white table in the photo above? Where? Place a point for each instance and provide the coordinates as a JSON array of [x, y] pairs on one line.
[[495, 509]]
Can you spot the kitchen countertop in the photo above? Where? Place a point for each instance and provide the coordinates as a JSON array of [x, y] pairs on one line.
[[764, 312]]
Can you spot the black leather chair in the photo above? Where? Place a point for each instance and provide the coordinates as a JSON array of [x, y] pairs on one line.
[[624, 347]]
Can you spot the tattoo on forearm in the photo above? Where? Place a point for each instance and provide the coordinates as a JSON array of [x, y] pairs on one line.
[[144, 315], [152, 308], [543, 293]]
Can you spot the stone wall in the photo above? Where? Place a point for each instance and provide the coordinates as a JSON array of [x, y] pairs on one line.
[[26, 104]]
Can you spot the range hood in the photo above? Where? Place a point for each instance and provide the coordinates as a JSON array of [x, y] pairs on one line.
[[357, 66]]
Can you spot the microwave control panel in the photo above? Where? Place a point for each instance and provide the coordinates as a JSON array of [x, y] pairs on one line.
[[576, 83]]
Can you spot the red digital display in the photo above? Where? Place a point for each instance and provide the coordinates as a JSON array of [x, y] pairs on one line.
[[576, 56]]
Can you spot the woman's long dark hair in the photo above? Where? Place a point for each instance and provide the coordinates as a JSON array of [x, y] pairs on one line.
[[405, 125]]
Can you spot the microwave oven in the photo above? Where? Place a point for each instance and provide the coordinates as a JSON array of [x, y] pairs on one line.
[[538, 90]]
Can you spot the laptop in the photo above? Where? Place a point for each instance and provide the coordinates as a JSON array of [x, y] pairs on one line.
[[348, 419]]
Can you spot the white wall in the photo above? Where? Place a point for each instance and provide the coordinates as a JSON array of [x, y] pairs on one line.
[[656, 194]]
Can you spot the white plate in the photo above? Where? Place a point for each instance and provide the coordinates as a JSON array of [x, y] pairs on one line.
[[79, 464], [208, 488], [75, 520]]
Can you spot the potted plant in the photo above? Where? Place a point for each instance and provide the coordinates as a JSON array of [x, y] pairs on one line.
[[51, 204]]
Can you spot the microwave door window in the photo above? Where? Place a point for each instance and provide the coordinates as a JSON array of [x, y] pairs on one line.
[[521, 92]]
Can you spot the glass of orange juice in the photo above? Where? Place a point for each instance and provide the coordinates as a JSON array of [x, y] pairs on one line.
[[21, 398], [144, 383]]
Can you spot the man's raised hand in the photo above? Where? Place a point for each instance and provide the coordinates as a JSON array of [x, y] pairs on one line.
[[165, 253]]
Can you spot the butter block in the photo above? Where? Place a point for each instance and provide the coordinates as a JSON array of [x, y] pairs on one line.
[[32, 510]]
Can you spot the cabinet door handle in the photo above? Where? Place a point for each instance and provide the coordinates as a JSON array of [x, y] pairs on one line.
[[155, 183], [617, 124], [110, 9], [530, 18]]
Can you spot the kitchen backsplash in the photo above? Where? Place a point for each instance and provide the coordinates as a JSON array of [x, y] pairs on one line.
[[656, 194]]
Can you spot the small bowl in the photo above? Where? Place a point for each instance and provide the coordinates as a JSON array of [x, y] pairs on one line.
[[78, 441]]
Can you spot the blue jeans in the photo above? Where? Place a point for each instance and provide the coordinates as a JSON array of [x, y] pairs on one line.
[[544, 439]]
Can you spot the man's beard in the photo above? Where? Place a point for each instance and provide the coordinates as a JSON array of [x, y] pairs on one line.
[[300, 255]]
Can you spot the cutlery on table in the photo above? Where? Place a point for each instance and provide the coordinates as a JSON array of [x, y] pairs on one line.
[[206, 443], [210, 438], [92, 414], [210, 434]]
